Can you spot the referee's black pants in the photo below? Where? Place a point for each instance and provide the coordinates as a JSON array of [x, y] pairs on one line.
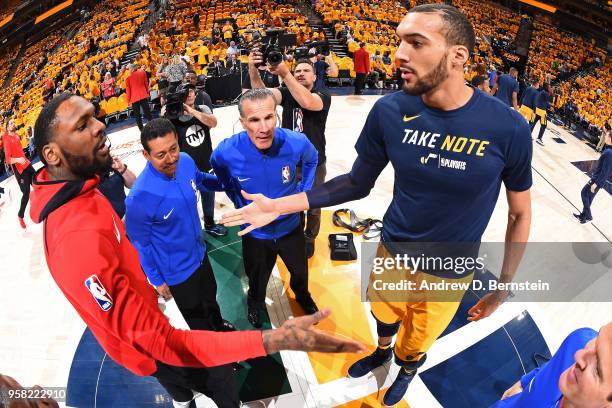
[[217, 383], [259, 257], [196, 298]]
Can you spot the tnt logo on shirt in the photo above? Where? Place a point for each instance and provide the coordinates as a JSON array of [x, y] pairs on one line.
[[99, 293], [286, 174], [195, 135], [298, 120]]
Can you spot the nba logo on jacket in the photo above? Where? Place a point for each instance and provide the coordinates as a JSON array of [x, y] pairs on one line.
[[286, 173], [99, 293]]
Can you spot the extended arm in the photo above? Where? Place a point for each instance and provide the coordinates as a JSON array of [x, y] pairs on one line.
[[347, 187]]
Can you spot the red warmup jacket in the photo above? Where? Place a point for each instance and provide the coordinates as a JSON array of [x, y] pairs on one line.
[[361, 60], [137, 86], [98, 270], [13, 150]]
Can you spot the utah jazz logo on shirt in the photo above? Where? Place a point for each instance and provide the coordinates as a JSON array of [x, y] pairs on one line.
[[298, 120], [286, 174], [463, 146], [195, 135], [99, 293]]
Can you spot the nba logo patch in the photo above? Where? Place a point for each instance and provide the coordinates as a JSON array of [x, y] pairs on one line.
[[298, 120], [286, 174], [99, 293]]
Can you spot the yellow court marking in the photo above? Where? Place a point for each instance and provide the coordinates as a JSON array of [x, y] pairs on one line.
[[333, 284], [373, 400]]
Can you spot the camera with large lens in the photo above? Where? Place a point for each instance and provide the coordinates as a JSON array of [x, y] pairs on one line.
[[320, 47], [200, 82], [175, 98], [270, 50]]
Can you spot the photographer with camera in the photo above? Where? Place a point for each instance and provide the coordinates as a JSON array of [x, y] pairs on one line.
[[199, 82], [193, 123], [305, 110]]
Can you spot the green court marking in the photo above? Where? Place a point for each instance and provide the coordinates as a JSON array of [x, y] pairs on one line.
[[259, 378]]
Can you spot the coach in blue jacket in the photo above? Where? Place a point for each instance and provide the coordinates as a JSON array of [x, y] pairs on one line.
[[264, 159], [163, 224], [162, 221]]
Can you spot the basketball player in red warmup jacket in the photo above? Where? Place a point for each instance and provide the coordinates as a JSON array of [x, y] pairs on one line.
[[98, 270]]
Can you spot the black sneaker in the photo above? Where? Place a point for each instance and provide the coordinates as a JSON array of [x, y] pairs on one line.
[[216, 230], [309, 305], [310, 248], [585, 220], [369, 363], [254, 316], [398, 389], [578, 217], [225, 326]]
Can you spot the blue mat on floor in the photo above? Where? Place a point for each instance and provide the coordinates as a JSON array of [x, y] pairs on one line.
[[479, 375]]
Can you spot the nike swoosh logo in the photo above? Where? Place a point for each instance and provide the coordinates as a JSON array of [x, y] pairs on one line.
[[244, 179], [116, 230], [167, 215], [408, 119]]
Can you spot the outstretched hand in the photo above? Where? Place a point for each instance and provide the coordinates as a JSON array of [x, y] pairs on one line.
[[485, 306], [299, 334], [261, 211]]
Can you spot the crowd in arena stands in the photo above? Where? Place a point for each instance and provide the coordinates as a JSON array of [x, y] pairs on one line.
[[587, 99], [204, 38], [559, 53], [80, 64], [7, 57]]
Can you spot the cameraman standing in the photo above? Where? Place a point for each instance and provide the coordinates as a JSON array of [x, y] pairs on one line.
[[305, 110], [202, 97], [193, 128]]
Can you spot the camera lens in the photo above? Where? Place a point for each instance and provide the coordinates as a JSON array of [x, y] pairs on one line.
[[275, 58]]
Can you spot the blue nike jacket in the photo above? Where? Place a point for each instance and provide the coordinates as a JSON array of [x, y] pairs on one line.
[[238, 163], [162, 221]]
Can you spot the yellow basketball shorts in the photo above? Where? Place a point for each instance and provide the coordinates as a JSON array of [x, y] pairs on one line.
[[527, 113], [420, 322], [542, 114]]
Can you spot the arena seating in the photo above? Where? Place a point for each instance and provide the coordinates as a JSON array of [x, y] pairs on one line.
[[73, 57], [78, 63]]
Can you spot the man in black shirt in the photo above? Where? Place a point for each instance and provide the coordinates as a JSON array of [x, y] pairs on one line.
[[113, 183], [202, 98], [193, 129], [305, 109]]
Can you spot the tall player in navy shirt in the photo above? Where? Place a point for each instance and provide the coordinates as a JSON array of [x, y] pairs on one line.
[[506, 89], [451, 147]]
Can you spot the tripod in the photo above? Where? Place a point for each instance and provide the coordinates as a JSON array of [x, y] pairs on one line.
[[237, 98]]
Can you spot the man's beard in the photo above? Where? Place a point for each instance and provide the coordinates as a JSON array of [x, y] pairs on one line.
[[430, 81], [87, 167]]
